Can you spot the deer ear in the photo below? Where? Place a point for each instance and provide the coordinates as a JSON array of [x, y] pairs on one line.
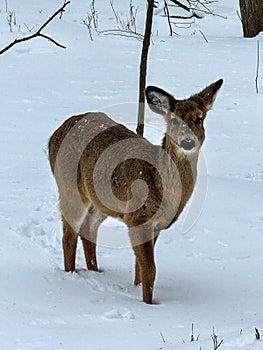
[[159, 101], [208, 95]]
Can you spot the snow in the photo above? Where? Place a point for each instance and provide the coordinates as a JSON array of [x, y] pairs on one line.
[[210, 275]]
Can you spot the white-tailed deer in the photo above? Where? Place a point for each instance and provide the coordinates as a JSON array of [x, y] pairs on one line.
[[104, 169]]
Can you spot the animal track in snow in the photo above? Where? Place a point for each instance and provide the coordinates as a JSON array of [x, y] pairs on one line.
[[120, 313]]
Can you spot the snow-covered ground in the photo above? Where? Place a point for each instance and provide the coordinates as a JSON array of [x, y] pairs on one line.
[[209, 276]]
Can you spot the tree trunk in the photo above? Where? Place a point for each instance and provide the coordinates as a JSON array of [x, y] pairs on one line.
[[143, 66], [252, 17]]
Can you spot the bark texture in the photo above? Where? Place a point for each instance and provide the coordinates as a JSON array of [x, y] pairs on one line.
[[252, 17]]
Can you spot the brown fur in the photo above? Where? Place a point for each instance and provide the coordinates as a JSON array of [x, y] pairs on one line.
[[80, 163]]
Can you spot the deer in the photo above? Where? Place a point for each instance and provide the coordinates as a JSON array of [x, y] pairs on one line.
[[103, 169]]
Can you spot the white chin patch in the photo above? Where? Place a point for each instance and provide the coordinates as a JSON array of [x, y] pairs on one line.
[[189, 151]]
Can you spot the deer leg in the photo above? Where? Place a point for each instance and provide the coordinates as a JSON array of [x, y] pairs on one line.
[[88, 233], [145, 264], [138, 279], [90, 254], [69, 243], [145, 257]]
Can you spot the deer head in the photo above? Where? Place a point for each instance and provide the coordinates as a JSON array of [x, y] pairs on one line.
[[184, 118]]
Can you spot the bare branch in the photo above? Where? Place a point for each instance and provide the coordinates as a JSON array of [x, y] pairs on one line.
[[193, 7], [216, 342], [61, 9], [11, 20], [203, 35], [192, 335], [257, 69], [130, 22], [167, 14], [94, 14], [38, 32], [183, 17], [52, 40], [178, 3], [207, 10], [87, 22], [257, 334], [91, 21], [122, 32], [30, 30], [116, 15], [161, 334]]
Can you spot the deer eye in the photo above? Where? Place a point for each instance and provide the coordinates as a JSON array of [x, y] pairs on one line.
[[174, 121], [198, 120]]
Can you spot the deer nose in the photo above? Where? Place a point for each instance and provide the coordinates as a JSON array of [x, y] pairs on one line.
[[187, 144]]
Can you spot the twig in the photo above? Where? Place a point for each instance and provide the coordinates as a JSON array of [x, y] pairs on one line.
[[87, 22], [91, 20], [29, 29], [11, 20], [183, 25], [193, 15], [216, 343], [52, 40], [116, 15], [257, 69], [203, 35], [161, 334], [257, 334], [192, 335], [122, 32], [38, 32], [192, 339], [133, 14], [94, 14], [178, 3], [188, 9], [194, 8], [205, 7], [208, 11], [130, 23], [238, 15], [167, 14]]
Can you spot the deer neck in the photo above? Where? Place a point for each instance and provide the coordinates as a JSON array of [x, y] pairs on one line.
[[186, 163]]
